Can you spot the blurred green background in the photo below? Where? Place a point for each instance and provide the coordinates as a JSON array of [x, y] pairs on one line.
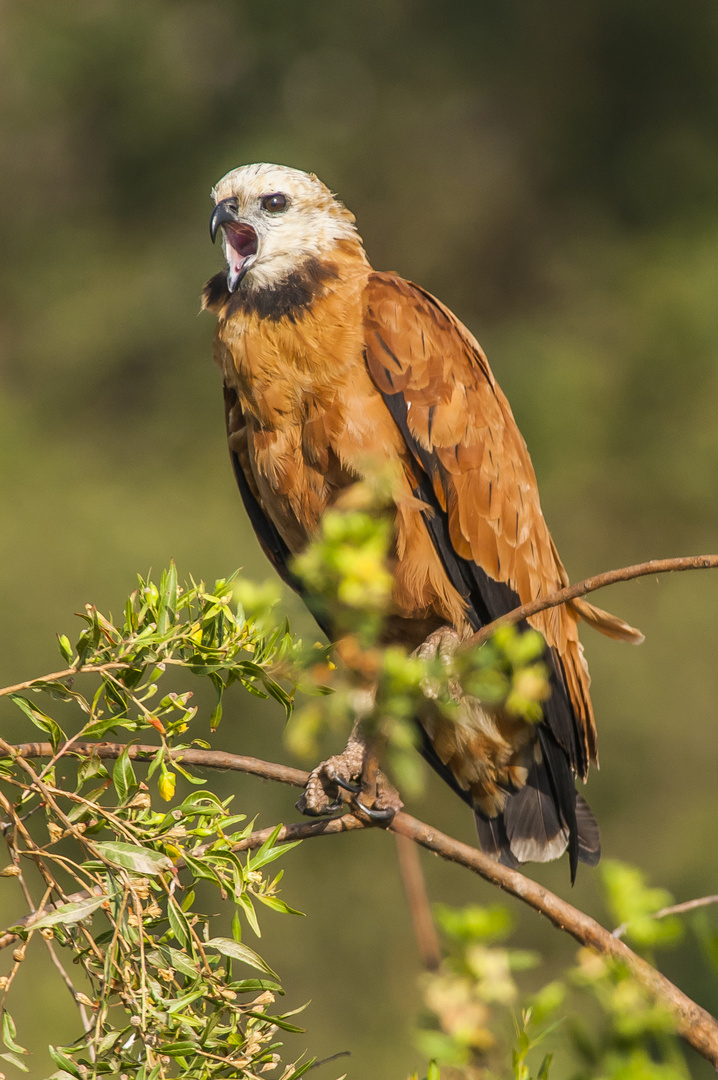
[[548, 169]]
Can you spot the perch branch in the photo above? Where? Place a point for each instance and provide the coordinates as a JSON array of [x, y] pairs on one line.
[[598, 581], [693, 1023]]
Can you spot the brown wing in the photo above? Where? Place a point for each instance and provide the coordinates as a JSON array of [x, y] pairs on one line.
[[475, 470], [270, 539]]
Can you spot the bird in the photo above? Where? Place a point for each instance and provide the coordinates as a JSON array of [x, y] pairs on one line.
[[326, 363]]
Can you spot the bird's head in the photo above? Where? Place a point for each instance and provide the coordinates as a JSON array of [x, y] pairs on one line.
[[273, 219]]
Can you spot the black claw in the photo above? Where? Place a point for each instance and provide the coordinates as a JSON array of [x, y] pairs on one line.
[[384, 815], [309, 811], [353, 789]]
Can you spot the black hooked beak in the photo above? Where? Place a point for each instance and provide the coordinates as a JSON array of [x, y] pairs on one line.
[[225, 212]]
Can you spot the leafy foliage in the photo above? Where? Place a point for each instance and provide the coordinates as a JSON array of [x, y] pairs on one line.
[[598, 1021], [633, 904], [123, 885], [162, 990], [118, 876]]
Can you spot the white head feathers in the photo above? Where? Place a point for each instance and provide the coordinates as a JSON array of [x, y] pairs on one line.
[[304, 221]]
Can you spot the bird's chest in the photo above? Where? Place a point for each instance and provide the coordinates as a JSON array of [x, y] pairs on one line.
[[311, 419]]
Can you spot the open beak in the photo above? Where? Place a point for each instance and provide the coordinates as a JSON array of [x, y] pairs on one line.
[[240, 240]]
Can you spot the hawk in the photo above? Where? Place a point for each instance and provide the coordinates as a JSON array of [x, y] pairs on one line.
[[328, 364]]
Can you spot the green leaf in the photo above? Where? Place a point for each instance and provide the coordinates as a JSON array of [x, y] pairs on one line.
[[183, 963], [433, 1073], [177, 1048], [153, 1074], [276, 1020], [168, 599], [276, 904], [633, 902], [9, 1032], [80, 810], [237, 951], [40, 719], [198, 802], [545, 1065], [310, 1065], [164, 957], [17, 1062], [268, 852], [107, 1042], [139, 860], [473, 923], [188, 901], [255, 986], [202, 869], [101, 727], [196, 780], [65, 648], [186, 1000], [157, 760], [64, 1062], [178, 922], [216, 716], [236, 926], [123, 775], [67, 914], [279, 694], [246, 905]]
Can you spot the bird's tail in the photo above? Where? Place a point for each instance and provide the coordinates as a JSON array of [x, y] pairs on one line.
[[531, 827], [604, 622]]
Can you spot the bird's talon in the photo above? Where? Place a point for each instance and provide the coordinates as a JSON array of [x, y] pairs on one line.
[[383, 815], [316, 811], [353, 789]]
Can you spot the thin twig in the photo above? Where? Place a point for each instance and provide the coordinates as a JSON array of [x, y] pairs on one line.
[[84, 669], [599, 581], [693, 1023], [67, 673], [674, 909], [48, 944], [412, 878]]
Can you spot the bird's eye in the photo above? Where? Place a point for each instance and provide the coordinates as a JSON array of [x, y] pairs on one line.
[[274, 204]]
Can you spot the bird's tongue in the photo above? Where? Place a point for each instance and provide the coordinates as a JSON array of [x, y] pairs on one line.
[[241, 246]]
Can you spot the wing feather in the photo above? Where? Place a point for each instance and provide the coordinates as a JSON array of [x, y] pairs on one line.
[[270, 539], [460, 430]]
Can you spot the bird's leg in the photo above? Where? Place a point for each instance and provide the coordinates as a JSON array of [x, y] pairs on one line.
[[355, 771], [443, 643], [371, 798]]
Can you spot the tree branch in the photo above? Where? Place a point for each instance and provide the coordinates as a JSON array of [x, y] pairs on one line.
[[84, 669], [66, 673], [693, 1023], [599, 581]]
